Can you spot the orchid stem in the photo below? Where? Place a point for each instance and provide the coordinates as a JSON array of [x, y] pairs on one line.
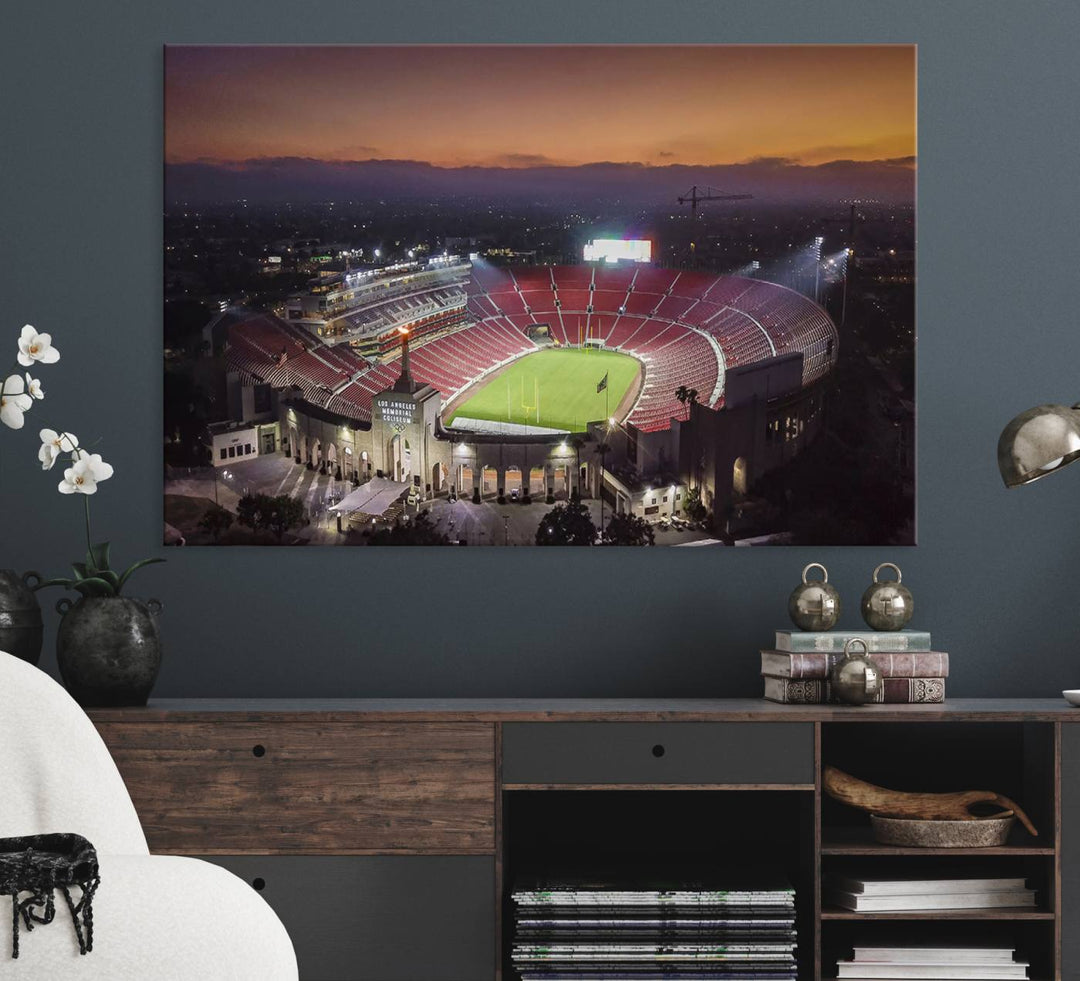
[[89, 547]]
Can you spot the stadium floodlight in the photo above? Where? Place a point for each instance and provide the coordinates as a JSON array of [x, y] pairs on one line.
[[378, 253]]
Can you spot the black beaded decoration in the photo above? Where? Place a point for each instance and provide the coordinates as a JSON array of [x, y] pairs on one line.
[[41, 864]]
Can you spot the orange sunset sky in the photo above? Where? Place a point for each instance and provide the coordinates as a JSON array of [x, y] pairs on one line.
[[517, 106]]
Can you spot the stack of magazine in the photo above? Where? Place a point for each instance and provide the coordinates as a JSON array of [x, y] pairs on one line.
[[939, 963], [905, 893], [568, 930]]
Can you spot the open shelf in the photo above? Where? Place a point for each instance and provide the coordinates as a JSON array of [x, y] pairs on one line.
[[1012, 758], [713, 836]]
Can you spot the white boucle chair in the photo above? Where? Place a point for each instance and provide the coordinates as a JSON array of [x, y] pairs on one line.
[[156, 918]]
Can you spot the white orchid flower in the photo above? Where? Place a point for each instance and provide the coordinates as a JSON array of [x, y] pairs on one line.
[[33, 387], [83, 476], [14, 401], [53, 444], [36, 347]]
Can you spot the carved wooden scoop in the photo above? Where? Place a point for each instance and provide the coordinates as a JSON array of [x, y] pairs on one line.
[[900, 804]]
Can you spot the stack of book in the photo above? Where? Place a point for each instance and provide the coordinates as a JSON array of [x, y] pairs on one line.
[[939, 963], [797, 670], [896, 894], [581, 931]]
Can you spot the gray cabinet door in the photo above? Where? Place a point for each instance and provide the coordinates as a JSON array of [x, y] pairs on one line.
[[381, 917], [1070, 851], [765, 753]]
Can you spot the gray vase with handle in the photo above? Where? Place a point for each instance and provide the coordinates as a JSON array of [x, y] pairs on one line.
[[21, 628], [108, 649]]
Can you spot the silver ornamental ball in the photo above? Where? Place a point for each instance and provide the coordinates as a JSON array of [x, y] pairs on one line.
[[814, 605], [856, 680], [887, 605]]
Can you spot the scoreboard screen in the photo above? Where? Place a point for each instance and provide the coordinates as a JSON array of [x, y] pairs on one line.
[[615, 249]]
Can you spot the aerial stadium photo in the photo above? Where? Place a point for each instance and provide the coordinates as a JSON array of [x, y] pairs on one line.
[[540, 295]]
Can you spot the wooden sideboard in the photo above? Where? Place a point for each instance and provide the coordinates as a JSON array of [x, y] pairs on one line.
[[387, 833]]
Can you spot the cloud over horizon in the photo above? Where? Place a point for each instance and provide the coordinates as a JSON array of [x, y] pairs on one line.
[[269, 179]]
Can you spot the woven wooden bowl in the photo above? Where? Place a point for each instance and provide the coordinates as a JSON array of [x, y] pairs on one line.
[[918, 833]]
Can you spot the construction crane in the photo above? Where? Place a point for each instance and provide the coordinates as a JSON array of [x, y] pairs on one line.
[[706, 193]]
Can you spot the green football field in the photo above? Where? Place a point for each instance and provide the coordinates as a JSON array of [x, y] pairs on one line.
[[555, 388]]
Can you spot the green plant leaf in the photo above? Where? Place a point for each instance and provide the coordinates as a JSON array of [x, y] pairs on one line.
[[66, 583], [97, 559], [94, 587], [110, 577], [80, 570], [132, 569]]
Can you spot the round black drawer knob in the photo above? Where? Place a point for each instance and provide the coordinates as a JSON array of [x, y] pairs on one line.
[[658, 751], [258, 884], [258, 750]]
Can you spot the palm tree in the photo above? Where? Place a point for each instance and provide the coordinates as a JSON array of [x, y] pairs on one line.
[[687, 396]]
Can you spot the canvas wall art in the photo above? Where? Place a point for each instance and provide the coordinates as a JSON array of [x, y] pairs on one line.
[[539, 295]]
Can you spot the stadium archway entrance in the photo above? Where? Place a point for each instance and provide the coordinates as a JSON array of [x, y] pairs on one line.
[[302, 450], [536, 482], [513, 482], [738, 477], [464, 481], [331, 458], [316, 454], [438, 478], [561, 483], [489, 480], [399, 453]]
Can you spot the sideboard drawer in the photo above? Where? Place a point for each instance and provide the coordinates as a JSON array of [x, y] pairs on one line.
[[230, 788], [697, 753], [381, 917]]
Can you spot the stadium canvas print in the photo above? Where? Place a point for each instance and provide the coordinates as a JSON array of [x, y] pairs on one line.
[[540, 295]]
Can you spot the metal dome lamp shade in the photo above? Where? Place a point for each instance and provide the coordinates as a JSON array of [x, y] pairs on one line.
[[1037, 442]]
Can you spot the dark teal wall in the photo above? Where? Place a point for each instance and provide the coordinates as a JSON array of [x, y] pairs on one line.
[[995, 575]]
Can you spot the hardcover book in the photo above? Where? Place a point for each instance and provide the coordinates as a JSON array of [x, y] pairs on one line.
[[921, 887], [935, 955], [817, 664], [833, 641], [968, 971], [975, 900], [895, 691]]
